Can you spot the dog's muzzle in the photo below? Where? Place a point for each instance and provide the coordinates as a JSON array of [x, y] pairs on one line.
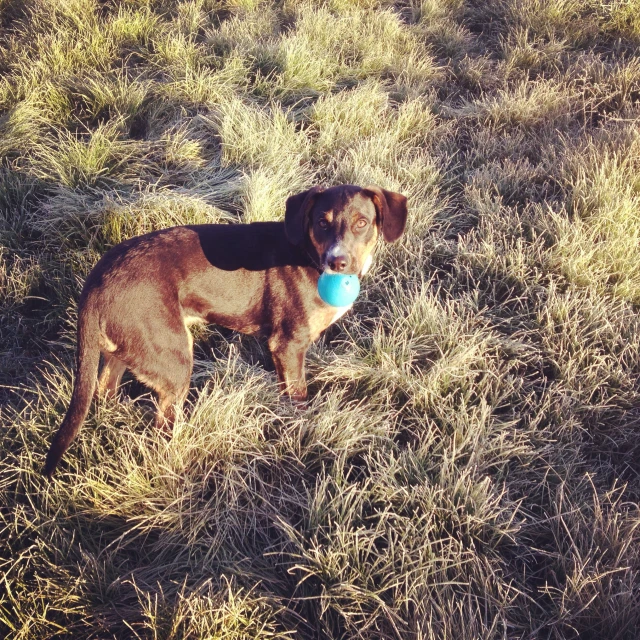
[[336, 260]]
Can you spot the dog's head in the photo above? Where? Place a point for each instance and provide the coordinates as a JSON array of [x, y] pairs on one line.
[[342, 224]]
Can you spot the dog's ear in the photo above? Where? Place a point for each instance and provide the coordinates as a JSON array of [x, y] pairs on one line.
[[392, 211], [296, 211]]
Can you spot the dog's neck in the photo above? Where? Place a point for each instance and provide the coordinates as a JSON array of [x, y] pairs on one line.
[[312, 255]]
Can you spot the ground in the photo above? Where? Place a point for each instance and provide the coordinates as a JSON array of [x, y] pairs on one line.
[[468, 467]]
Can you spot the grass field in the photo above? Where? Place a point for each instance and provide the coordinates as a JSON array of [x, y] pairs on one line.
[[469, 464]]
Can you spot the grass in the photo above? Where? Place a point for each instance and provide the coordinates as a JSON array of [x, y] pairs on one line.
[[468, 465]]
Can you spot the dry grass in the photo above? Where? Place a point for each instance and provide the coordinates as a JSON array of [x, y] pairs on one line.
[[468, 466]]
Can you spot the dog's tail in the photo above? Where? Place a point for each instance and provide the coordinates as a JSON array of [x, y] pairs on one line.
[[88, 359]]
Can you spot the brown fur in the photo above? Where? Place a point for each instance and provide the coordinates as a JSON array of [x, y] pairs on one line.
[[139, 300]]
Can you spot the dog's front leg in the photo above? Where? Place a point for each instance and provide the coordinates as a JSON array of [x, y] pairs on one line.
[[288, 357]]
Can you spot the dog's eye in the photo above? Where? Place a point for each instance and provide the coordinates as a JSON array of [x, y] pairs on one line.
[[361, 224], [323, 224]]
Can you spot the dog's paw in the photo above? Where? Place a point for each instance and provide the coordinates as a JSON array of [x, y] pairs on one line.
[[301, 404]]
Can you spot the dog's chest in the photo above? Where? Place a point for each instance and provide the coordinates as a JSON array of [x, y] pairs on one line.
[[338, 313], [324, 316]]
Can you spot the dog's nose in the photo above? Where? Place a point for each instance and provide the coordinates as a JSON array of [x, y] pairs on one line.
[[337, 263]]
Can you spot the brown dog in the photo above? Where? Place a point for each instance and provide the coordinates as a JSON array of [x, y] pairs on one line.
[[139, 300]]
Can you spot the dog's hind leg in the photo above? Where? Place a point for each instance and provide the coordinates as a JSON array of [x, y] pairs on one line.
[[110, 376], [172, 386], [165, 365], [169, 404]]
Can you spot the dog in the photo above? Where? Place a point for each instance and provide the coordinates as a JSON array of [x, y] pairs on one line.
[[139, 300]]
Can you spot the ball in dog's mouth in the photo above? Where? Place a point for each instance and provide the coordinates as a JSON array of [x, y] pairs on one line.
[[337, 289]]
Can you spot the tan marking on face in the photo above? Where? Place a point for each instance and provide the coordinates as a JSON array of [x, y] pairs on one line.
[[318, 246], [364, 253], [367, 264]]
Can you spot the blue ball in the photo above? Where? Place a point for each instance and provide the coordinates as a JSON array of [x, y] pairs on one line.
[[337, 289]]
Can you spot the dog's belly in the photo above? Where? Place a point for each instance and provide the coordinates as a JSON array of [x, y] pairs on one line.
[[239, 324], [232, 299], [242, 323]]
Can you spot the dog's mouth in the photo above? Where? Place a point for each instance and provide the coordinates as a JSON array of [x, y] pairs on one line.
[[366, 266], [342, 272], [360, 271]]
